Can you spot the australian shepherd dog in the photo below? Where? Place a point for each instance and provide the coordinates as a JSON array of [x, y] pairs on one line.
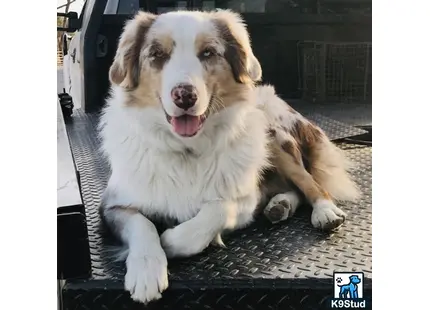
[[190, 137]]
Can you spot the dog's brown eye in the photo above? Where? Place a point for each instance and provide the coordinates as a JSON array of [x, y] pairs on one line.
[[158, 54]]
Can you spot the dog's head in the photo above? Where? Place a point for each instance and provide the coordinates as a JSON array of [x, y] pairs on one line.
[[190, 64], [354, 279]]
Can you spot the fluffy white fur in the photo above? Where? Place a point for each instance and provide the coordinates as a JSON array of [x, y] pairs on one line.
[[149, 169], [214, 189]]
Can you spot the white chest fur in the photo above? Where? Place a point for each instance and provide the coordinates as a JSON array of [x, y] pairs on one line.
[[155, 171]]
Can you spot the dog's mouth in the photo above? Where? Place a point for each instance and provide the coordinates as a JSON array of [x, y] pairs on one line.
[[186, 125]]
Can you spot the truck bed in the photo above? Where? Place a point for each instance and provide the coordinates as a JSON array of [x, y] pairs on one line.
[[284, 266]]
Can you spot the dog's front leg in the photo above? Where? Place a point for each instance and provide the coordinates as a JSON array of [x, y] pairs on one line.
[[146, 276], [193, 236]]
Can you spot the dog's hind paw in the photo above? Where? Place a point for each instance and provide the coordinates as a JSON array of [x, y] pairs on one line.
[[326, 215], [281, 207]]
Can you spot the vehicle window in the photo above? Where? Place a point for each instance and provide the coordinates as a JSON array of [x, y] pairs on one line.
[[242, 6], [111, 7], [128, 7], [208, 5], [167, 6], [264, 6]]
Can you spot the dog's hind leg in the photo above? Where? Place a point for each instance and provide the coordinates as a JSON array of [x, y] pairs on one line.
[[344, 292], [324, 161], [279, 198], [288, 161]]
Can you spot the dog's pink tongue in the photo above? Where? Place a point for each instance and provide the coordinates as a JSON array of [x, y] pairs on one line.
[[186, 125]]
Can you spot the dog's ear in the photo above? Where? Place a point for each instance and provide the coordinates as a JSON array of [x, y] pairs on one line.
[[238, 52], [125, 69], [254, 68]]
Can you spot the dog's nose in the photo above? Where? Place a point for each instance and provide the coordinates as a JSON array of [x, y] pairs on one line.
[[184, 96]]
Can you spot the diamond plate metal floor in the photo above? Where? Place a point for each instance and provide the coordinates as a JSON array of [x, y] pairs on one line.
[[284, 266]]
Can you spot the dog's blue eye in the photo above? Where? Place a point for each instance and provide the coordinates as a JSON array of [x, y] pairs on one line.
[[207, 53]]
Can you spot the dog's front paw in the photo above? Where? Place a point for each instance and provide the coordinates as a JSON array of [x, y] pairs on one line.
[[182, 242], [326, 215], [146, 277]]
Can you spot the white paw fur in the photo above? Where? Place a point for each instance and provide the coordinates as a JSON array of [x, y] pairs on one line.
[[326, 215], [146, 277]]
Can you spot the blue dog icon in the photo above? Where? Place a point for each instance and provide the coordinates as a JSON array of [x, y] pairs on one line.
[[350, 289]]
